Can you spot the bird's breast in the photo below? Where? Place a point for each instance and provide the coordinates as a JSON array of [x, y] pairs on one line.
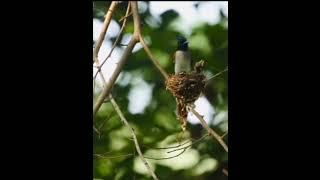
[[182, 62]]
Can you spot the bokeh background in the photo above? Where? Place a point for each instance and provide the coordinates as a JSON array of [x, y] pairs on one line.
[[148, 106]]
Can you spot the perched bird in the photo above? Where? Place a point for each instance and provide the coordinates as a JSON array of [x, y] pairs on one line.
[[182, 63], [182, 57]]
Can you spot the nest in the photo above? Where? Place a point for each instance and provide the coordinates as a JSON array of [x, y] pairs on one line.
[[186, 87]]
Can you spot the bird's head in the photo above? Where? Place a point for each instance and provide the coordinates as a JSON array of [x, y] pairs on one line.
[[182, 43]]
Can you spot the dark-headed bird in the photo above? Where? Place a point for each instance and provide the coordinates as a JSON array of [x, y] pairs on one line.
[[182, 57]]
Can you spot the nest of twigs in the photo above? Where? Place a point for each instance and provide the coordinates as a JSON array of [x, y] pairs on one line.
[[186, 87]]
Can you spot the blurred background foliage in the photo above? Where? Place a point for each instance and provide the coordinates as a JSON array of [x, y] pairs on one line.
[[156, 124]]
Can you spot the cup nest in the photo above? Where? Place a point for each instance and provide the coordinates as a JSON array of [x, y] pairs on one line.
[[186, 87]]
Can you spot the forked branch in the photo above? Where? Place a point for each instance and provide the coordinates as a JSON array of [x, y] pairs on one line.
[[125, 56]]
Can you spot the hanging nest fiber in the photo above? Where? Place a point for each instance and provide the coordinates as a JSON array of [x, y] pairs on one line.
[[186, 87]]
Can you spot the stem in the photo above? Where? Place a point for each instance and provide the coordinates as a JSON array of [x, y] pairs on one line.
[[114, 76], [155, 62], [136, 19], [104, 29], [210, 131], [123, 119], [115, 43]]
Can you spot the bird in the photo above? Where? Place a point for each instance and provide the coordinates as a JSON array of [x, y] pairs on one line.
[[182, 56], [182, 63]]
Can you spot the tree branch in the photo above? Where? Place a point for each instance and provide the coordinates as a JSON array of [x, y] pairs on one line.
[[104, 29], [116, 41], [127, 52], [123, 119], [136, 19], [114, 76], [155, 62], [138, 35], [210, 131]]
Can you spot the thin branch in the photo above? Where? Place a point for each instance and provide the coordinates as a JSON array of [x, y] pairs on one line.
[[183, 149], [218, 74], [170, 147], [96, 130], [167, 157], [134, 156], [116, 41], [155, 62], [94, 86], [138, 35], [99, 130], [104, 29], [210, 130], [111, 157], [124, 120], [126, 16], [114, 76], [104, 122], [225, 171], [223, 135], [136, 20], [106, 152], [125, 56], [195, 142]]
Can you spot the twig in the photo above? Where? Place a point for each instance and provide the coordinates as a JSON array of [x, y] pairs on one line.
[[167, 157], [193, 143], [138, 35], [136, 19], [104, 29], [223, 135], [96, 130], [106, 152], [210, 130], [124, 120], [102, 125], [183, 149], [116, 41], [125, 56], [104, 122], [114, 76], [126, 16], [134, 156], [219, 73], [111, 157], [225, 171], [170, 147], [155, 62]]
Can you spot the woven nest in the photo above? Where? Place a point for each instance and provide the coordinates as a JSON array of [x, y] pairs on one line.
[[186, 87]]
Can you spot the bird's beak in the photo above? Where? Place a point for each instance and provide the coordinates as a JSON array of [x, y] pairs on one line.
[[185, 43]]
